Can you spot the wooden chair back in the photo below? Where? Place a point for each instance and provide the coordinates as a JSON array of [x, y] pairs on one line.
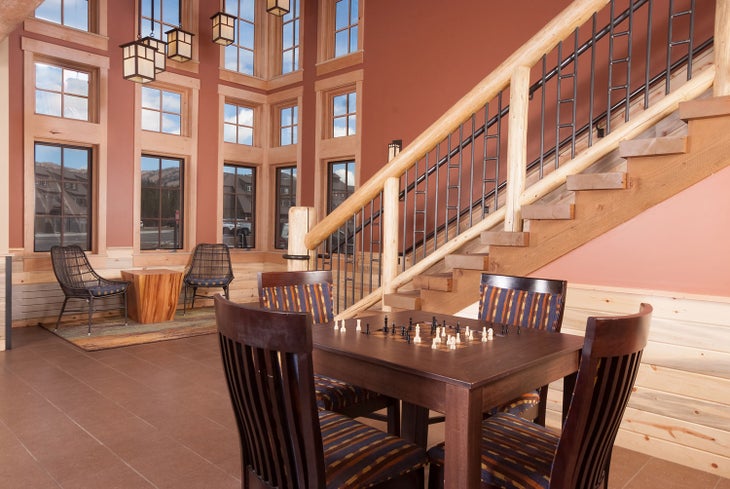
[[609, 365], [267, 358], [299, 291]]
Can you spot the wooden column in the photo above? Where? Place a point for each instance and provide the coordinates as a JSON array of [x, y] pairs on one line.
[[517, 147], [389, 268], [300, 220], [722, 48]]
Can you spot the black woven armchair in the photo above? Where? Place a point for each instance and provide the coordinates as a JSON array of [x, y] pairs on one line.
[[209, 267], [78, 280]]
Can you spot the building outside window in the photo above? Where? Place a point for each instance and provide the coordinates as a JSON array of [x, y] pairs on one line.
[[346, 27], [161, 111], [61, 92], [286, 197], [288, 125], [239, 56], [290, 39], [344, 114], [161, 210], [238, 124], [62, 196], [69, 13], [167, 16], [340, 185], [239, 206]]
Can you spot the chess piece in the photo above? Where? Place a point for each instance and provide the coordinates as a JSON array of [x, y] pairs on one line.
[[490, 334], [484, 334], [358, 327]]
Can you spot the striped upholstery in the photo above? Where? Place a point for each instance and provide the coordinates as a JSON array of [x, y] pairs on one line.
[[516, 453], [359, 456], [520, 308], [315, 298], [336, 395]]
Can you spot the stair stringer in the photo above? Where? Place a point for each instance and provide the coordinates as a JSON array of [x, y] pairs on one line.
[[652, 179]]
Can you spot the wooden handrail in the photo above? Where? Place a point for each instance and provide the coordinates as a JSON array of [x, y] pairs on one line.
[[575, 15]]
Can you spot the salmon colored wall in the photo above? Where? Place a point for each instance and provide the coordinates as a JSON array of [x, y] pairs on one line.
[[679, 245], [421, 56]]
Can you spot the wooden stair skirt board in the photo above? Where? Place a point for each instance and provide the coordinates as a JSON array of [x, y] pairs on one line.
[[436, 281], [470, 261], [652, 179], [504, 238], [410, 299]]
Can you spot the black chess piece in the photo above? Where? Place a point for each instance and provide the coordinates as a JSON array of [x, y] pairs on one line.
[[367, 328]]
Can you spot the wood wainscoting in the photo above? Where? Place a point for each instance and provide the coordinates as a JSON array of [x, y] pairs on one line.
[[680, 408]]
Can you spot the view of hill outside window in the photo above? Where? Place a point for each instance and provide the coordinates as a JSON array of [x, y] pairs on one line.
[[162, 203], [62, 196], [239, 198]]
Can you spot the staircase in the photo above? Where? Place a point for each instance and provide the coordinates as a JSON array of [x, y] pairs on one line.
[[587, 206]]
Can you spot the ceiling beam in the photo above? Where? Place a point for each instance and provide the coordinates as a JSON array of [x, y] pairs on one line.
[[13, 12]]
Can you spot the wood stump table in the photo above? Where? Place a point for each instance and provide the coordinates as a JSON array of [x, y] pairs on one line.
[[153, 294]]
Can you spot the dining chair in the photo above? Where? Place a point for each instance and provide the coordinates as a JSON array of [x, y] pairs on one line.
[[517, 453], [210, 267], [523, 302], [311, 291], [79, 280], [286, 440]]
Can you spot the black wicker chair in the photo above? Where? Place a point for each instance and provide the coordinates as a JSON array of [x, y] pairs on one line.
[[209, 267], [78, 280]]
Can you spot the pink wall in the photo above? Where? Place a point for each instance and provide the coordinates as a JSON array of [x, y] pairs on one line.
[[679, 245]]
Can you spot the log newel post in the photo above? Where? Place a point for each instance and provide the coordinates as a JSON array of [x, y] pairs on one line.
[[299, 258], [722, 49], [389, 269], [517, 147]]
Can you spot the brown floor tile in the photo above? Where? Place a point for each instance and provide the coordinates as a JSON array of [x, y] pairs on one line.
[[666, 475]]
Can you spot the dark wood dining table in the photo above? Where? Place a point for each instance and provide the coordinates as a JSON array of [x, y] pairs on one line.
[[461, 383]]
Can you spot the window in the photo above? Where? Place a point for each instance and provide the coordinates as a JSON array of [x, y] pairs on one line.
[[239, 206], [238, 124], [162, 203], [344, 114], [62, 196], [61, 92], [288, 125], [239, 56], [346, 26], [69, 13], [286, 197], [340, 185], [161, 111], [290, 39], [167, 16]]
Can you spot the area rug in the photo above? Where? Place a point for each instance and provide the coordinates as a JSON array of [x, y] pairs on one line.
[[112, 333]]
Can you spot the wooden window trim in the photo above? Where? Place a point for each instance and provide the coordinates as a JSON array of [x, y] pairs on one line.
[[96, 37], [326, 37]]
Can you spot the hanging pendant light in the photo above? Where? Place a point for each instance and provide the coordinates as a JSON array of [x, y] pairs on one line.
[[277, 7], [179, 42], [224, 28], [139, 57], [159, 47]]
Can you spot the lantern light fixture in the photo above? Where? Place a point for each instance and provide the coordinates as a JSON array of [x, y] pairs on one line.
[[224, 28], [394, 148], [179, 45], [277, 7], [159, 47], [138, 62]]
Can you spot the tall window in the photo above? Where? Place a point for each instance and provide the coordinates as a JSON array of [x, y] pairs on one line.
[[340, 185], [62, 196], [238, 124], [344, 114], [61, 92], [69, 13], [161, 111], [162, 203], [239, 206], [346, 24], [290, 39], [239, 56], [286, 197], [288, 125], [167, 16]]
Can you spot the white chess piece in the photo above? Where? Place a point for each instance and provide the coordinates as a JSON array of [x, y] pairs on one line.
[[435, 343], [358, 327], [336, 325], [342, 328], [490, 334], [458, 338], [484, 334]]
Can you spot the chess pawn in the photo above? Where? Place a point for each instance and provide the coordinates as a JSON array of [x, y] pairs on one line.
[[342, 328], [435, 343], [484, 334], [337, 328], [458, 338], [490, 334], [358, 327]]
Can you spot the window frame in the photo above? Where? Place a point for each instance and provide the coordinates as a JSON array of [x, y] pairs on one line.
[[294, 17], [92, 89], [180, 212], [279, 124], [332, 117], [96, 37], [255, 114], [327, 63], [278, 222], [253, 219], [181, 115]]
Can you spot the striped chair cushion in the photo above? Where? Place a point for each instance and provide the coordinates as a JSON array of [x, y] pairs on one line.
[[314, 298], [519, 307], [336, 395], [359, 456], [515, 453]]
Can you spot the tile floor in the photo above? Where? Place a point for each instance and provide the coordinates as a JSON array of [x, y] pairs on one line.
[[158, 416]]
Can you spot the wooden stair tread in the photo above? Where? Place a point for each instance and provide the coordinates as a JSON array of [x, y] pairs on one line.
[[653, 146], [408, 299], [698, 108], [472, 261], [505, 238], [561, 210], [596, 181], [436, 281]]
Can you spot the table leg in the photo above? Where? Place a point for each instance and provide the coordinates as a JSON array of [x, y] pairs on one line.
[[568, 388], [414, 423], [462, 437]]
